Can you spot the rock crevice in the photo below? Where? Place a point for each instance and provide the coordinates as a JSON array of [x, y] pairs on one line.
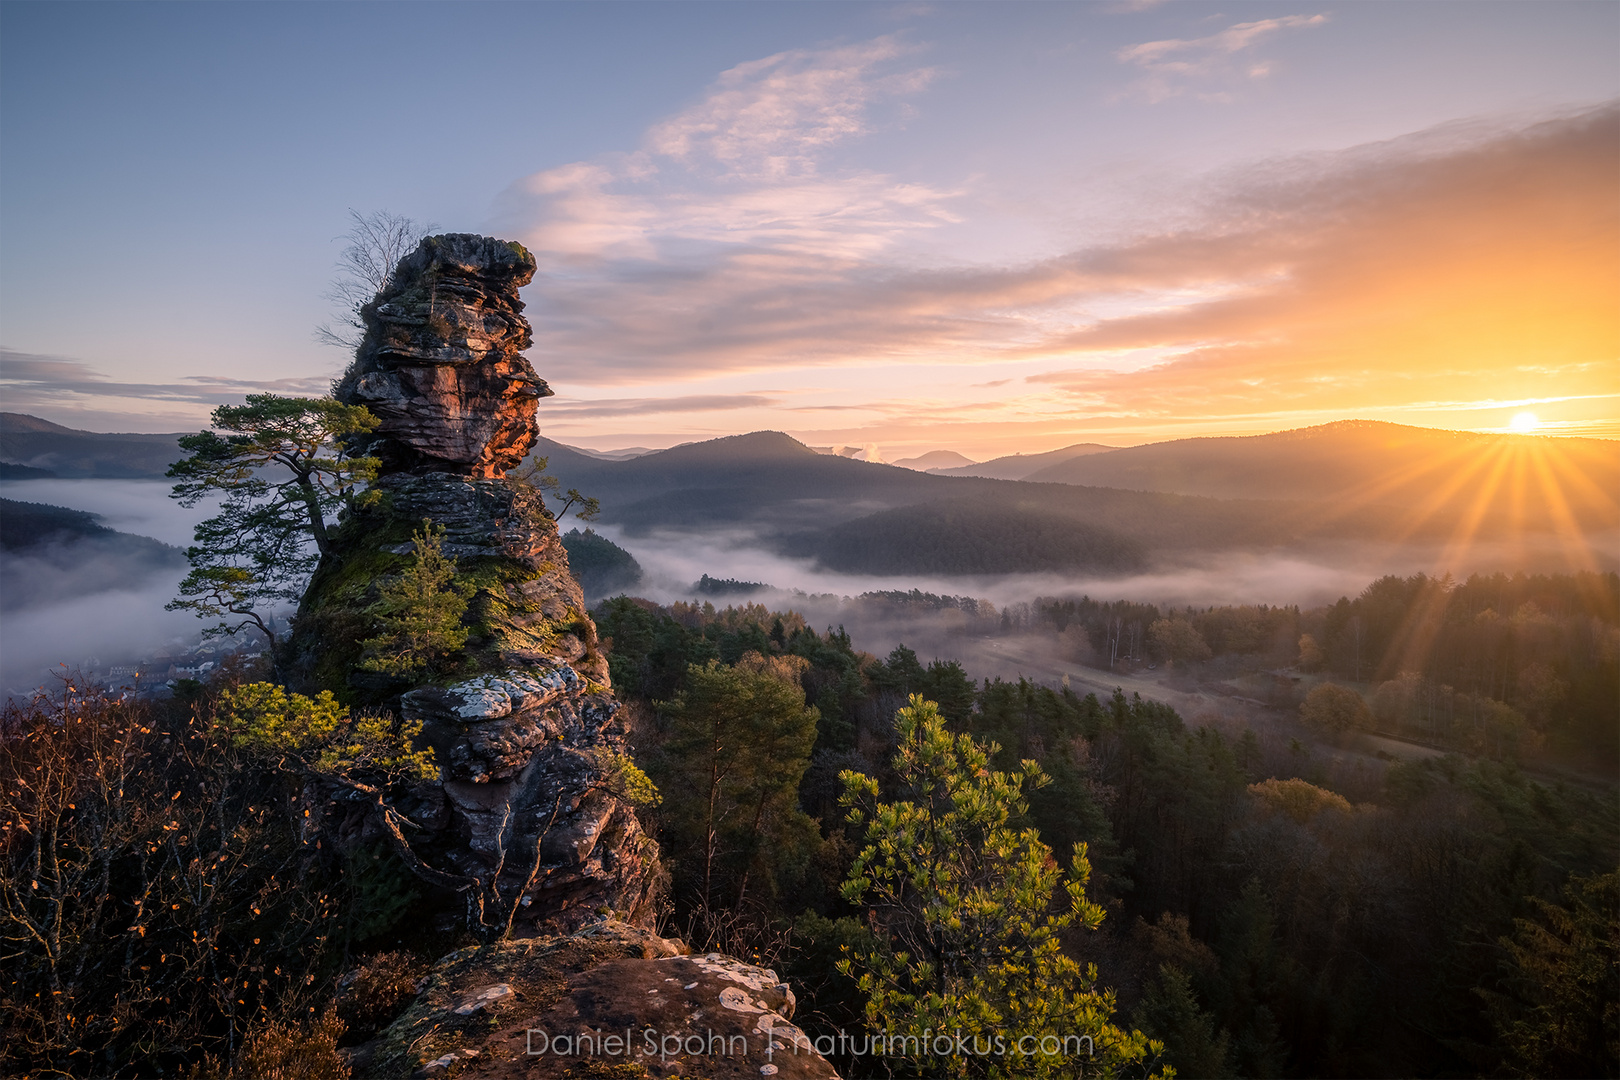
[[441, 364], [523, 719]]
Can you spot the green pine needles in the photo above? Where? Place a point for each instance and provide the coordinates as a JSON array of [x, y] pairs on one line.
[[365, 751], [419, 612], [971, 961], [282, 471]]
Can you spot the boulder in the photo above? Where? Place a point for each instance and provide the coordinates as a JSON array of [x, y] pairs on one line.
[[610, 1000]]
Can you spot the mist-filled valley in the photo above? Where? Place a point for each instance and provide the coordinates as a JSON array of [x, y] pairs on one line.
[[815, 532], [1339, 765], [92, 595], [877, 541]]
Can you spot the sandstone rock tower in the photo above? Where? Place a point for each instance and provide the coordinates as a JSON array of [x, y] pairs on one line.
[[522, 725]]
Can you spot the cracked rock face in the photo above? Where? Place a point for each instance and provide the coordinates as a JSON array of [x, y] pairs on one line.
[[520, 755], [522, 719], [441, 364]]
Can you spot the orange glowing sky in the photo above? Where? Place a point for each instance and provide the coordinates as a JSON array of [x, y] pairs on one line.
[[991, 229]]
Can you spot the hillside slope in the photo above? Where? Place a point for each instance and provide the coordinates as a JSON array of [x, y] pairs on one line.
[[1533, 479], [1024, 466], [51, 553], [863, 517], [70, 453]]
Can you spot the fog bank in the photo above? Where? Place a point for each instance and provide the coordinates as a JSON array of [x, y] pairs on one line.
[[124, 619], [82, 605]]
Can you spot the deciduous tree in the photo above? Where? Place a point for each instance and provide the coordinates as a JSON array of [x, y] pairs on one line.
[[1178, 641], [377, 241], [1335, 708], [962, 898]]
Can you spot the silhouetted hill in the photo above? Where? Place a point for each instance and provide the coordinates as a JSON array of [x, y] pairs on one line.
[[936, 461], [1022, 527], [52, 553], [67, 452], [9, 471], [1364, 462], [1023, 466], [763, 479], [956, 537], [601, 567], [859, 516]]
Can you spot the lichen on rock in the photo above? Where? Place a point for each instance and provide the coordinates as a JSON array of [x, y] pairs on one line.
[[609, 994]]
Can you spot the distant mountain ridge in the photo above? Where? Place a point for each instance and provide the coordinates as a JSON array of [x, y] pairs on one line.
[[1372, 462], [1082, 507], [936, 461], [1023, 466], [74, 454], [865, 517]]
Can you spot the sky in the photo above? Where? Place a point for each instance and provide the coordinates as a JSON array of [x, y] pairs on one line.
[[988, 228]]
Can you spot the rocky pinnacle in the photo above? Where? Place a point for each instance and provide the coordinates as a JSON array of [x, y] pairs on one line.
[[442, 362], [522, 718]]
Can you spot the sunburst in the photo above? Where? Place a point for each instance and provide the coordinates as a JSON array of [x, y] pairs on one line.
[[1524, 423], [1507, 488]]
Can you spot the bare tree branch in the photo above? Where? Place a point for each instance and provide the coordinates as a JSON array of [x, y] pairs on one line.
[[377, 241]]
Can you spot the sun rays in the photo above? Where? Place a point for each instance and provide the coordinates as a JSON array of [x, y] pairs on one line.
[[1517, 489], [1524, 423]]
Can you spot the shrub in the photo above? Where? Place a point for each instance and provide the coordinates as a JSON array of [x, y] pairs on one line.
[[1335, 708], [278, 1051], [370, 996]]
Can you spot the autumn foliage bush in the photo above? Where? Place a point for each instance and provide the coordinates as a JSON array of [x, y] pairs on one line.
[[370, 996], [160, 897], [283, 1051]]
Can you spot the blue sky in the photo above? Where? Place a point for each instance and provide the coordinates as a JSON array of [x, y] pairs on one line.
[[982, 227]]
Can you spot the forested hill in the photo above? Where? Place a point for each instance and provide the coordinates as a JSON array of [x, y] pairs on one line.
[[763, 476], [68, 452], [53, 553], [863, 517], [24, 525], [1023, 466], [1373, 462]]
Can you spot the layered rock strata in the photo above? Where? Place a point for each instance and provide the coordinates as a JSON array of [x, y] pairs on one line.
[[522, 720], [526, 778], [441, 364]]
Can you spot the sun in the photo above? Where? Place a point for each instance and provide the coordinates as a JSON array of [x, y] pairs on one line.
[[1523, 423]]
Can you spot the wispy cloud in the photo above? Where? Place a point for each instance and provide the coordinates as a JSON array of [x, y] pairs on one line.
[[1459, 262], [749, 168], [554, 408], [771, 119], [1208, 66], [57, 384]]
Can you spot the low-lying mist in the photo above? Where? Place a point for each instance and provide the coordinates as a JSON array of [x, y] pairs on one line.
[[142, 507], [89, 603], [112, 626], [673, 561], [96, 613]]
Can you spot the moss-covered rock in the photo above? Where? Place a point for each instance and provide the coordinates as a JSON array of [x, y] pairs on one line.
[[526, 610]]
